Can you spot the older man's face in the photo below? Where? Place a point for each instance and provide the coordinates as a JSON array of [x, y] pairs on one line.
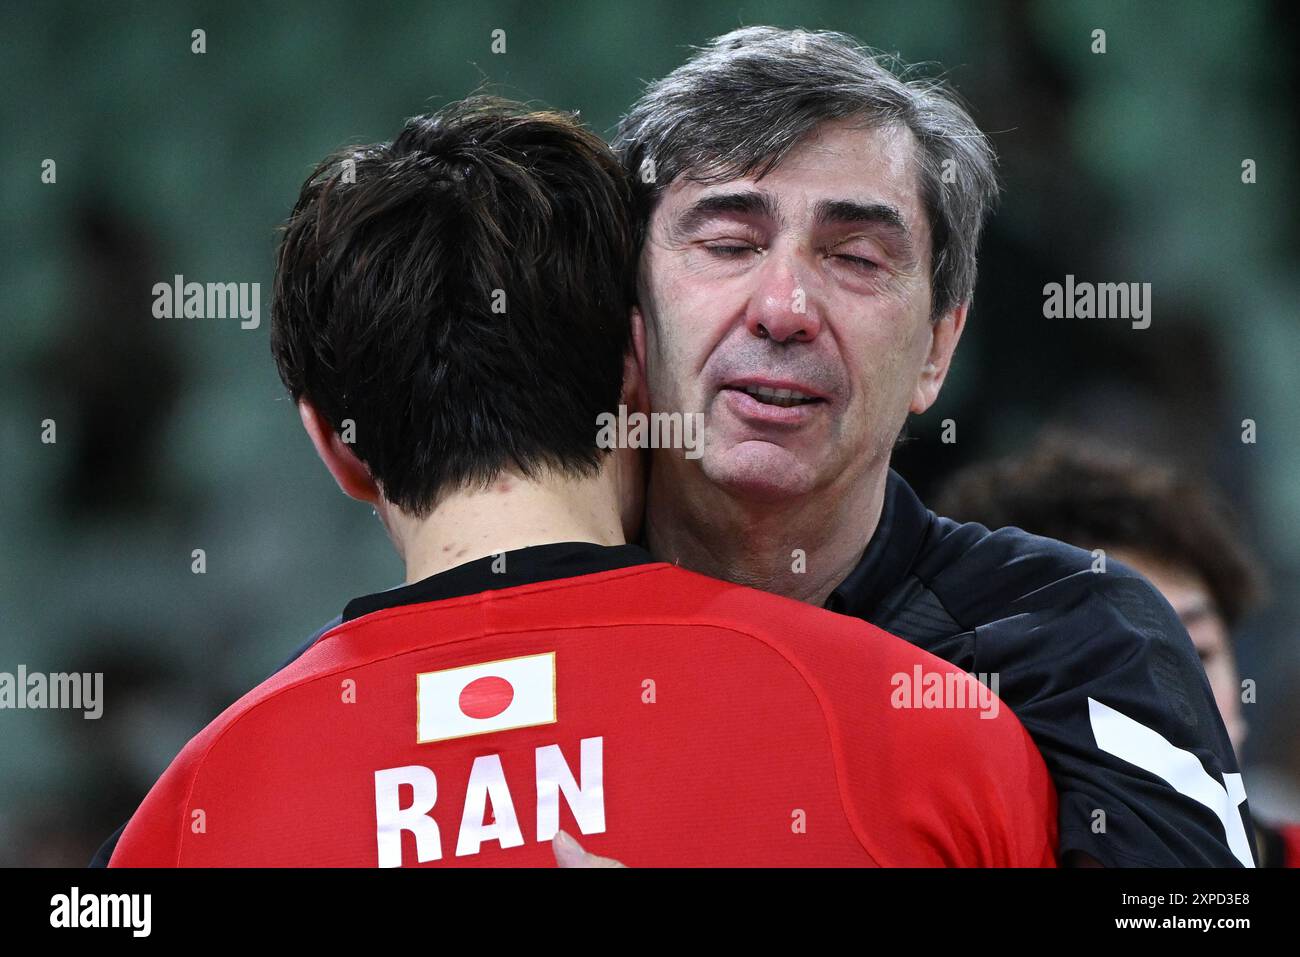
[[793, 311]]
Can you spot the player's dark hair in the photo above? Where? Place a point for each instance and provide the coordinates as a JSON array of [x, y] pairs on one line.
[[1092, 496], [741, 103], [462, 294]]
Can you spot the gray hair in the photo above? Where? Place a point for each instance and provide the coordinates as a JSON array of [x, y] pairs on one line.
[[740, 104]]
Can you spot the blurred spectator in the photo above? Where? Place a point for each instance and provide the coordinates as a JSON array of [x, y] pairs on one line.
[[115, 375]]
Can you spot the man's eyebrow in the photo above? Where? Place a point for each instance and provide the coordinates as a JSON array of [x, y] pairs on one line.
[[847, 212], [741, 203]]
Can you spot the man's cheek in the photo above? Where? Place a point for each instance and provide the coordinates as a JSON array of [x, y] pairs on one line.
[[671, 388], [658, 386]]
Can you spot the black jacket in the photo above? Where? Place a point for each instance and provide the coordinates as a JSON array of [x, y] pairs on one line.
[[1079, 654]]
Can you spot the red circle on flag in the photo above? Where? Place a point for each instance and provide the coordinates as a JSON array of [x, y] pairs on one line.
[[486, 697]]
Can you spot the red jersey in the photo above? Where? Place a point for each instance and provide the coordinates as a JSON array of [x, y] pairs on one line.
[[662, 717]]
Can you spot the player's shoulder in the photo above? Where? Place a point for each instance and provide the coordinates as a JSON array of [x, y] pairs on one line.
[[857, 667], [784, 621], [301, 669], [901, 718], [156, 831]]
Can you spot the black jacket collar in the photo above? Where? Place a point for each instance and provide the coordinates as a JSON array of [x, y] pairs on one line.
[[890, 554]]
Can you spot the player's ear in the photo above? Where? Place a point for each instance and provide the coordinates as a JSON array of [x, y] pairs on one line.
[[631, 463], [634, 388], [944, 334], [349, 471]]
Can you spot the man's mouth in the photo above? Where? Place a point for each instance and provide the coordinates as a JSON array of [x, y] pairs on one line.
[[785, 398]]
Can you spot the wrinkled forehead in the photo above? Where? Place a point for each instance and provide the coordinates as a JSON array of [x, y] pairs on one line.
[[839, 161]]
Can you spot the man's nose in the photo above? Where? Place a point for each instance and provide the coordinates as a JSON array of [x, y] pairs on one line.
[[782, 308]]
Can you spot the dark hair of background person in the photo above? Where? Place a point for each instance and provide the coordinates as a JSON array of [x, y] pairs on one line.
[[465, 302], [740, 104], [1092, 496]]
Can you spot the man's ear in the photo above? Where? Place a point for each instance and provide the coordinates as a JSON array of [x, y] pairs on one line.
[[944, 333], [635, 394], [349, 471]]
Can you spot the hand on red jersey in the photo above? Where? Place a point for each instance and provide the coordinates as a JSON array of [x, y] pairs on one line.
[[569, 853]]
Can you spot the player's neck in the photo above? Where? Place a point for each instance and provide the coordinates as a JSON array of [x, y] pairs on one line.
[[512, 512], [801, 548]]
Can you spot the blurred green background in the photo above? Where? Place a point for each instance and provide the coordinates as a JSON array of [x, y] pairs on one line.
[[175, 435]]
